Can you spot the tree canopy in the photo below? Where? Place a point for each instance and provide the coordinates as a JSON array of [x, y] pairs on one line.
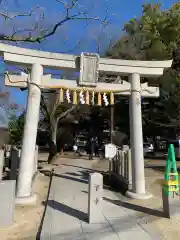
[[155, 35]]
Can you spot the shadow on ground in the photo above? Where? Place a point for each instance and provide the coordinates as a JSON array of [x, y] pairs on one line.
[[38, 236], [71, 178], [80, 167], [68, 210], [82, 176], [137, 208]]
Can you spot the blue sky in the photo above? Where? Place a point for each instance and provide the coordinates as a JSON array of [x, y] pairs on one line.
[[119, 12]]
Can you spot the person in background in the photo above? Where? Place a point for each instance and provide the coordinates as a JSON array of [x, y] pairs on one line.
[[92, 147], [96, 147], [89, 149], [75, 146]]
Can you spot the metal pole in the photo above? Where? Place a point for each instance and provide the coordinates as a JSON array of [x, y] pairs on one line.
[[1, 163], [111, 122]]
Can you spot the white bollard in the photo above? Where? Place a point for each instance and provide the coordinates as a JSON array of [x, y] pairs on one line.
[[19, 153], [95, 195], [1, 163]]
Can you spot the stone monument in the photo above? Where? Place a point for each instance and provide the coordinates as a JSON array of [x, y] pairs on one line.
[[14, 163], [95, 195]]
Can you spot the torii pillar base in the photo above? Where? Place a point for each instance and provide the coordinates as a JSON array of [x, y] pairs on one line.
[[29, 200], [133, 195]]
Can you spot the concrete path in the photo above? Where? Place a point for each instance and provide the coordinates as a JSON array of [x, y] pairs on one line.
[[66, 213]]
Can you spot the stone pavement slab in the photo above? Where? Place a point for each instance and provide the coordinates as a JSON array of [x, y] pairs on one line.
[[66, 213], [152, 232]]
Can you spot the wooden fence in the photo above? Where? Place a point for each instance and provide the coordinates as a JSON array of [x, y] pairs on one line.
[[121, 169]]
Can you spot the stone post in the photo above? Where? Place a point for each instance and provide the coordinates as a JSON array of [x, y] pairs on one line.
[[95, 195], [136, 135], [171, 204], [29, 139], [1, 163], [14, 163]]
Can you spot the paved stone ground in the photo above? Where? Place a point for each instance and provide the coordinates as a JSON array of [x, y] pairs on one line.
[[66, 213]]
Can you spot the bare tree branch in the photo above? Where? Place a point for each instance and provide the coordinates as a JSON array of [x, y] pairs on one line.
[[68, 6], [11, 16], [44, 33], [24, 30]]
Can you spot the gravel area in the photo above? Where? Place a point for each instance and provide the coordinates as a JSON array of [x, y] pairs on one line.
[[27, 219]]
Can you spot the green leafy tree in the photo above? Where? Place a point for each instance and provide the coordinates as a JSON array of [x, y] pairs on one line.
[[16, 126], [154, 36]]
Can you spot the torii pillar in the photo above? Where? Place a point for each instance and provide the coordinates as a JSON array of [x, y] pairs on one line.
[[136, 141], [29, 138]]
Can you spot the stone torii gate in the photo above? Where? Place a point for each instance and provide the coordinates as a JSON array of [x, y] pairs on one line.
[[88, 65]]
